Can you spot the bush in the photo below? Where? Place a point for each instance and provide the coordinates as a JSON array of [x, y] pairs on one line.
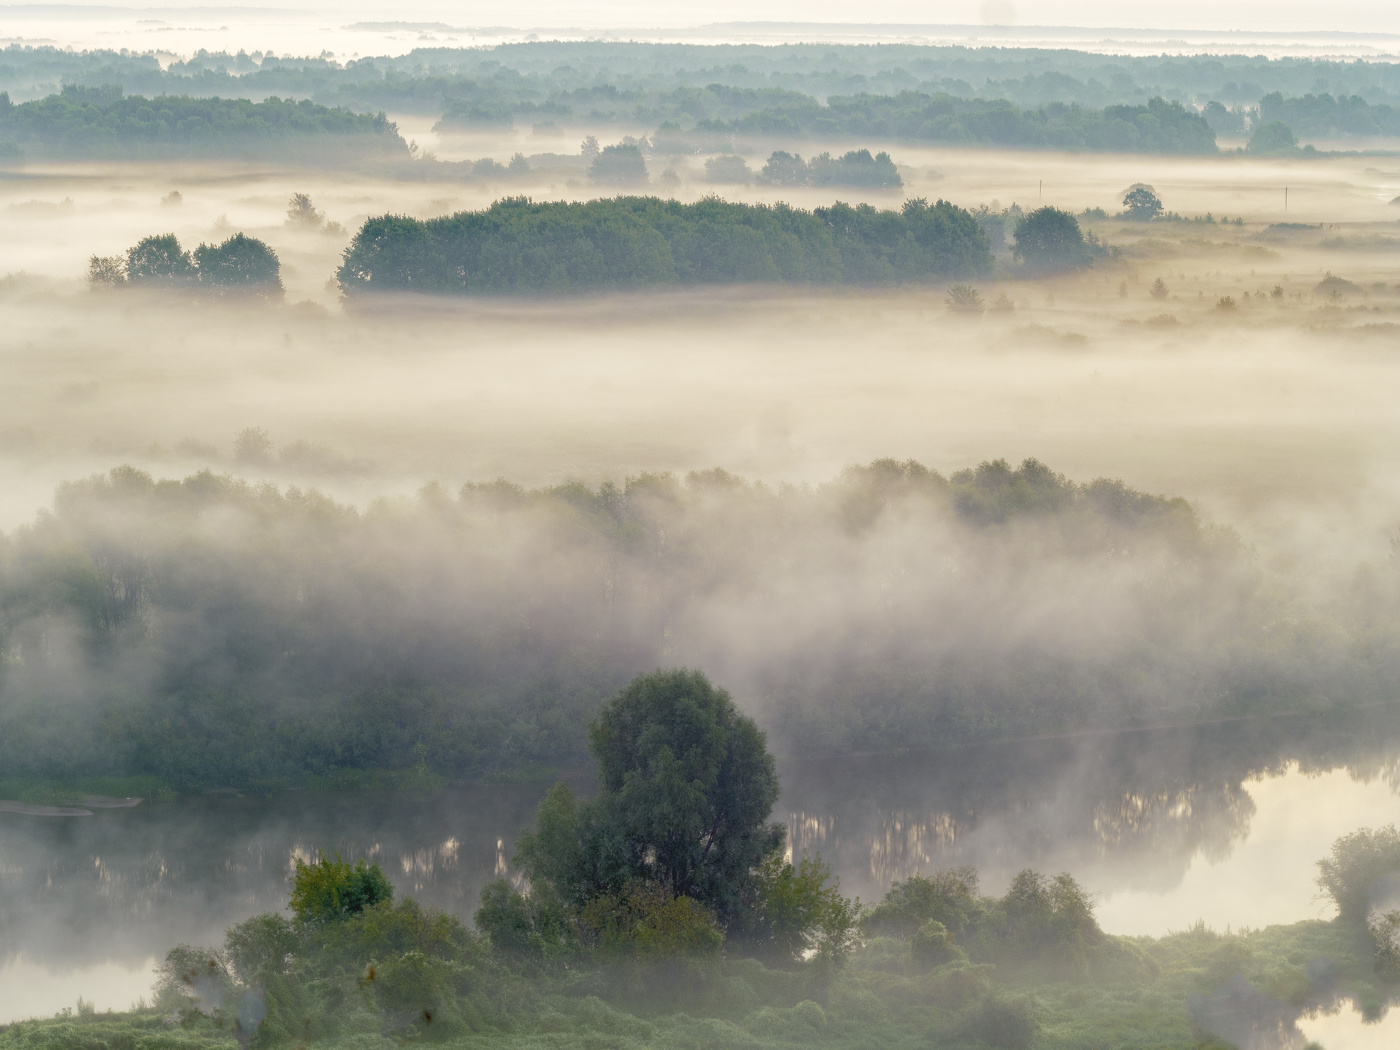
[[333, 890], [932, 946], [946, 897], [1003, 1021], [964, 299]]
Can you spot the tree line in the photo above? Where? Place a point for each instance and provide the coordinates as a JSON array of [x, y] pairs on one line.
[[620, 83], [518, 245], [1156, 127], [104, 122]]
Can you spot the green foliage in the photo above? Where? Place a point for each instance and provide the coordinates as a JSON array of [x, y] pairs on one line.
[[1273, 138], [1003, 1021], [241, 264], [159, 260], [1357, 862], [646, 921], [798, 911], [1326, 116], [555, 247], [964, 299], [526, 931], [948, 898], [856, 168], [619, 165], [910, 116], [933, 946], [102, 122], [261, 948], [333, 890], [1049, 240], [1141, 203], [687, 784], [727, 169]]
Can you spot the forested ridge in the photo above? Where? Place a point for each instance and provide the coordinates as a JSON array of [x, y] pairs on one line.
[[84, 122], [210, 632], [519, 245]]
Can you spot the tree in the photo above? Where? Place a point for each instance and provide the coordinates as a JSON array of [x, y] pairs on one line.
[[728, 169], [686, 787], [301, 212], [1159, 289], [1273, 138], [964, 299], [106, 271], [619, 165], [1049, 240], [1141, 203], [333, 890], [159, 260], [240, 264]]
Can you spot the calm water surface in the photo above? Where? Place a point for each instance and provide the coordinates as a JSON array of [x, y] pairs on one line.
[[1223, 823]]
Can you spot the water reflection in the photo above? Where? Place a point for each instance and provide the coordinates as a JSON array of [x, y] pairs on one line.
[[1222, 823]]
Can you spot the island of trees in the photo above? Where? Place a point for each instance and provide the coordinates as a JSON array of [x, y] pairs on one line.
[[241, 265], [519, 245]]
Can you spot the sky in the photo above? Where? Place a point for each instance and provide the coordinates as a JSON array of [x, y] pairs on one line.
[[1366, 28]]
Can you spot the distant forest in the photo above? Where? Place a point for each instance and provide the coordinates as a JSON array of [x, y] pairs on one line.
[[518, 245], [211, 632], [1157, 127], [621, 81], [659, 85], [103, 122]]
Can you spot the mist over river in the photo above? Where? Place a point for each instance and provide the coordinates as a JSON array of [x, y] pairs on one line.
[[1222, 823]]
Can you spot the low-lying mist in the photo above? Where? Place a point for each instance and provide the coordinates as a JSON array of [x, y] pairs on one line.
[[210, 631]]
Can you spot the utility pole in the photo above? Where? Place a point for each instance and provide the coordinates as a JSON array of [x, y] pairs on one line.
[[1285, 198]]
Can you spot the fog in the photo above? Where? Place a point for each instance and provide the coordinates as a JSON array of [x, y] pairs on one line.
[[1100, 579]]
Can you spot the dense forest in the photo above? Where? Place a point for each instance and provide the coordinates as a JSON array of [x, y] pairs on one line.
[[209, 632], [629, 83], [1324, 115], [518, 245], [102, 122], [1157, 127]]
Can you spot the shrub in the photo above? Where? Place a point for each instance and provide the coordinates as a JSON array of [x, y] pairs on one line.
[[964, 299], [333, 890], [946, 897], [1003, 1021], [932, 946]]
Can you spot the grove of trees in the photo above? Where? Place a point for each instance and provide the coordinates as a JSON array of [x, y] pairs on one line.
[[241, 265], [519, 246]]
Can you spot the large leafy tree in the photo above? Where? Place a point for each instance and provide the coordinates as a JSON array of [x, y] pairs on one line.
[[242, 264], [1049, 240], [159, 259], [686, 788]]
